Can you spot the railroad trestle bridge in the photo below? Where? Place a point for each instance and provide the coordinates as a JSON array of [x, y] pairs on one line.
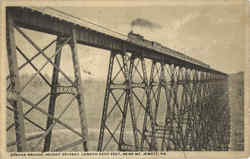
[[153, 101]]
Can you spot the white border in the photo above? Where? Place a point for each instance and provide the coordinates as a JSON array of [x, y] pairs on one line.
[[130, 3]]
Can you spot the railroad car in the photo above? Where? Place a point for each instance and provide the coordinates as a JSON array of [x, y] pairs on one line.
[[139, 40]]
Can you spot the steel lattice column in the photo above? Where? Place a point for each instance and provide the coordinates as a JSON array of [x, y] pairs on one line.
[[149, 113], [125, 64], [106, 100], [132, 87], [16, 102], [128, 67], [79, 89], [53, 96]]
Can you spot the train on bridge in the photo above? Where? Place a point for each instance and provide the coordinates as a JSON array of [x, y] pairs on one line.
[[140, 40]]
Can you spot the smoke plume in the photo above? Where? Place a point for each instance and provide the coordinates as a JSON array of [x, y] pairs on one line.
[[140, 22]]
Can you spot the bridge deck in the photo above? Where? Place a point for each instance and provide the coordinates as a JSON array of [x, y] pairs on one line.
[[57, 24]]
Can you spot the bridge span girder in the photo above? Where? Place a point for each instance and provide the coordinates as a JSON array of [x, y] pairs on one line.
[[35, 20]]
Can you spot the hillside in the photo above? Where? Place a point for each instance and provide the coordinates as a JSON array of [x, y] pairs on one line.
[[236, 101]]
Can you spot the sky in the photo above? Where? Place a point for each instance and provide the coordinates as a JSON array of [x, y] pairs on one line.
[[214, 34]]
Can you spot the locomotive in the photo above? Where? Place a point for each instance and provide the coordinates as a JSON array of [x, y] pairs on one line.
[[140, 40]]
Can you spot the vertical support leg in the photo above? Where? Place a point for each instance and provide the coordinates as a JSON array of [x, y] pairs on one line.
[[79, 89], [157, 102], [106, 99], [52, 101], [15, 82], [164, 144], [148, 111], [131, 104], [125, 107]]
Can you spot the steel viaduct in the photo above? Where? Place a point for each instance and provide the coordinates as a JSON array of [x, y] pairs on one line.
[[183, 108]]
